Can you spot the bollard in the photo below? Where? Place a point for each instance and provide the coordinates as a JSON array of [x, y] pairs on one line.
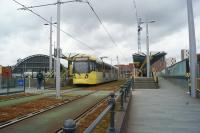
[[127, 89], [122, 99], [132, 84], [112, 114], [126, 86], [129, 86], [69, 126], [125, 94]]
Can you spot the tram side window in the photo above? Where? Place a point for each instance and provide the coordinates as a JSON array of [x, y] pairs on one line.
[[92, 66], [98, 67]]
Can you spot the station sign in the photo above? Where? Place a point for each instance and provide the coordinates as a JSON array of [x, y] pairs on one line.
[[81, 59], [20, 82]]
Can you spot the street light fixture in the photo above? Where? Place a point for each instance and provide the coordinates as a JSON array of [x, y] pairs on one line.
[[147, 22], [50, 46]]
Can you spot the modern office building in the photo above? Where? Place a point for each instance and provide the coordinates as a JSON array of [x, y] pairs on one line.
[[170, 61], [185, 54]]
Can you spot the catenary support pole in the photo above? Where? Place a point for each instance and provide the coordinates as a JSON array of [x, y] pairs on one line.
[[50, 46], [147, 43], [58, 52], [192, 46]]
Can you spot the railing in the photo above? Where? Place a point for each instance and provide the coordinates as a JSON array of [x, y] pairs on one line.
[[197, 85], [155, 78], [12, 85], [70, 125]]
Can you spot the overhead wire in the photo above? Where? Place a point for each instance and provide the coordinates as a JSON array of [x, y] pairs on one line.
[[109, 35], [37, 6], [43, 5], [66, 33], [101, 22]]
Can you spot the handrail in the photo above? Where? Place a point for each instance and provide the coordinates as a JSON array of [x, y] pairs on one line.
[[155, 78], [197, 85], [70, 125], [98, 120]]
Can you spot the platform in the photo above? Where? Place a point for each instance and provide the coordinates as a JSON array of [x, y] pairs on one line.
[[166, 110]]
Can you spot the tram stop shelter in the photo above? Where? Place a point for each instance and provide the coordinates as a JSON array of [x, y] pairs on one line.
[[140, 60]]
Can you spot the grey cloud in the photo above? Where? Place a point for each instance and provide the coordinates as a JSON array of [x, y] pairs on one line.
[[171, 16]]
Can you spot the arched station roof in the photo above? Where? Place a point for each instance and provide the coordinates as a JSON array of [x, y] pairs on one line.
[[33, 63]]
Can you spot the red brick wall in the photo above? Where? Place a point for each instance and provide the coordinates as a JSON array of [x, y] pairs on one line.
[[159, 65]]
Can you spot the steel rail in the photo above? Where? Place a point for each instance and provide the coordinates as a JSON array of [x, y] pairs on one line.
[[84, 113], [24, 117]]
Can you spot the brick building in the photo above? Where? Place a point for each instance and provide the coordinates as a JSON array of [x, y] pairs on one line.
[[170, 61], [159, 65], [125, 69]]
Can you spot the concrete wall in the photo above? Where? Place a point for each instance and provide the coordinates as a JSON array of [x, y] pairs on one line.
[[179, 81]]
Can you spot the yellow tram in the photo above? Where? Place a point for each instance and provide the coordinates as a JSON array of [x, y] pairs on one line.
[[90, 70]]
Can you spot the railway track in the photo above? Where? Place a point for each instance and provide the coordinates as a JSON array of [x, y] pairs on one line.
[[37, 119], [84, 113], [21, 118], [77, 116]]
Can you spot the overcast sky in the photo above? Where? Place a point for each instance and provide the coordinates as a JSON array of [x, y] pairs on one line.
[[23, 34]]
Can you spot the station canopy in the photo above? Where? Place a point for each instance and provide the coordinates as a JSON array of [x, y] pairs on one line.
[[139, 59]]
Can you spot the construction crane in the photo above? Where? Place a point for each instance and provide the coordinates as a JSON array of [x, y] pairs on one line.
[[139, 22]]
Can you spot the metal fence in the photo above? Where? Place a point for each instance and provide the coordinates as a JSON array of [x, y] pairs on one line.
[[70, 125], [198, 84], [12, 85], [20, 84]]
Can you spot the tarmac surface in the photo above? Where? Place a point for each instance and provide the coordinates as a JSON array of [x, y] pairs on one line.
[[166, 110]]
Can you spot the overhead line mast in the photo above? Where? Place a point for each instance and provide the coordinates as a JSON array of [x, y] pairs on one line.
[[58, 37], [139, 28]]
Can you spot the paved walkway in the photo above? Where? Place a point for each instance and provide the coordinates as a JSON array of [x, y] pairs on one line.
[[166, 110]]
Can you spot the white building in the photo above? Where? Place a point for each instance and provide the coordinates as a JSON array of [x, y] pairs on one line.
[[184, 54], [170, 61]]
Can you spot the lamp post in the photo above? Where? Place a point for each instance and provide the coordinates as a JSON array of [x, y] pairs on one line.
[[58, 52], [58, 36], [50, 46], [192, 46], [147, 42], [147, 22]]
